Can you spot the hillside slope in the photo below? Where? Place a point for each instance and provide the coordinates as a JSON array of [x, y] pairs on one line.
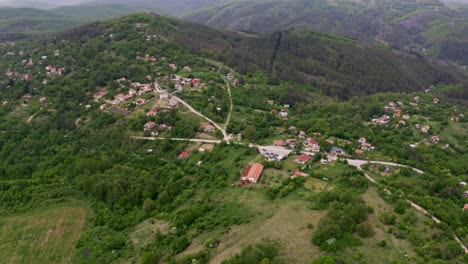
[[339, 66], [429, 27]]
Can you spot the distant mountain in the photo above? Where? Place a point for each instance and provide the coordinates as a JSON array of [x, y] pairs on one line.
[[176, 8], [428, 27], [100, 12], [21, 23], [339, 66]]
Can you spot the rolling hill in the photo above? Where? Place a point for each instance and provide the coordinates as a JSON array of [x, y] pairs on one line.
[[428, 27], [339, 66], [24, 23]]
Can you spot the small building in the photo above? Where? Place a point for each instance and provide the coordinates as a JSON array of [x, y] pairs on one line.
[[435, 139], [283, 114], [303, 159], [436, 100], [99, 95], [312, 145], [184, 154], [196, 82], [299, 174], [210, 129], [103, 106], [425, 129], [465, 194], [302, 134], [140, 101], [152, 112], [337, 150], [123, 97], [149, 126], [463, 184], [43, 100], [270, 102], [230, 76], [465, 207], [279, 143], [145, 91], [406, 117], [252, 173], [132, 91], [164, 96]]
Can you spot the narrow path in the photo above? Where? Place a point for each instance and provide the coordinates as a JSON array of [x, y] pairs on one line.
[[33, 115], [228, 87], [359, 163]]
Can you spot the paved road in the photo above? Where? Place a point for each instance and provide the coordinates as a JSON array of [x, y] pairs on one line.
[[359, 163]]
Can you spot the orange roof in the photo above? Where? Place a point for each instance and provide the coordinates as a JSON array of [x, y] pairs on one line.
[[254, 171], [278, 142]]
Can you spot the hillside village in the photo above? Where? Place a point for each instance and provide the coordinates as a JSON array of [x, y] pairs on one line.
[[198, 124]]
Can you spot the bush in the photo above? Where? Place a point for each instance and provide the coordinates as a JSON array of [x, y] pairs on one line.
[[382, 243], [365, 230], [387, 218], [400, 206], [324, 260]]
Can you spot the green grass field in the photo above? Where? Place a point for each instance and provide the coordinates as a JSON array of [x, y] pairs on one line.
[[47, 236]]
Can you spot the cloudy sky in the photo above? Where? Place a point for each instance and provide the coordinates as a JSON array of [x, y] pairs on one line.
[[40, 3]]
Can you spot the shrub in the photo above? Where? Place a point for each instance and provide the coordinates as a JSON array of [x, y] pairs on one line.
[[365, 230]]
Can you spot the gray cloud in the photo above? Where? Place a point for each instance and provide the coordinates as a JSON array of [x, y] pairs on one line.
[[40, 3]]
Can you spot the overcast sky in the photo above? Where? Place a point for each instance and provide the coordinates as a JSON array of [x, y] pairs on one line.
[[55, 3], [40, 3]]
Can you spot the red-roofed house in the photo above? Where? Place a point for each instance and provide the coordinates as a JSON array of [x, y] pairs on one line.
[[210, 129], [436, 100], [149, 126], [465, 207], [152, 112], [252, 173], [299, 174], [435, 139], [185, 154], [311, 145], [302, 159], [123, 97], [99, 95], [43, 100], [196, 82], [279, 143], [140, 101]]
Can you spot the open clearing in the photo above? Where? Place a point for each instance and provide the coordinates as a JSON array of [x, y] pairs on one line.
[[47, 236], [284, 221]]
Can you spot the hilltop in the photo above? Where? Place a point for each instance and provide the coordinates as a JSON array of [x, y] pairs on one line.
[[338, 66]]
